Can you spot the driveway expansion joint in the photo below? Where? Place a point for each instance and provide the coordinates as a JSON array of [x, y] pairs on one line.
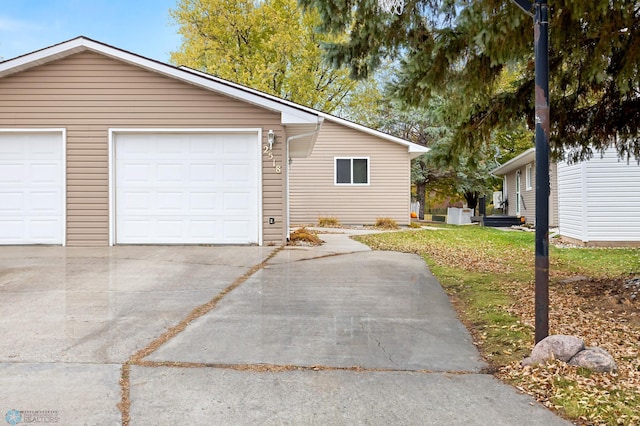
[[138, 358], [278, 368]]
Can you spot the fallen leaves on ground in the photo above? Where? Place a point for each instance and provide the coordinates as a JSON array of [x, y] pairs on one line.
[[602, 310], [599, 321], [304, 237]]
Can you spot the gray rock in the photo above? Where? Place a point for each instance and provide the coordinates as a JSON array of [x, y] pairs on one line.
[[596, 359], [556, 346]]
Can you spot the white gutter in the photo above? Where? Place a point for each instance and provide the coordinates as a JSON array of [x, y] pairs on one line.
[[288, 160]]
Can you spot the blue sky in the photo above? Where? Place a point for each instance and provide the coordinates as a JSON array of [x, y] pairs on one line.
[[140, 26]]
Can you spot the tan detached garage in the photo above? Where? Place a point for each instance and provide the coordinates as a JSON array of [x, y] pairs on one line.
[[99, 146]]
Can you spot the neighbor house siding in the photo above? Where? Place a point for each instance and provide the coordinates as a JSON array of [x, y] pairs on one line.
[[88, 93], [614, 198], [572, 215], [314, 193], [529, 195], [553, 198], [599, 201], [528, 201], [510, 196]]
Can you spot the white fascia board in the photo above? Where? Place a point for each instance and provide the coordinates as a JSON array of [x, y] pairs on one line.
[[525, 158], [291, 113], [297, 109], [42, 56]]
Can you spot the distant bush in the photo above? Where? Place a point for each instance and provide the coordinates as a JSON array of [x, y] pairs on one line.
[[328, 222], [386, 223]]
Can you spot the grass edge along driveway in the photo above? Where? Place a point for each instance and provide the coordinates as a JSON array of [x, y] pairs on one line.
[[489, 276]]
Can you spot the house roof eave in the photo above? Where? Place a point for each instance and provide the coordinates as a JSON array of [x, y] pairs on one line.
[[525, 158], [290, 112]]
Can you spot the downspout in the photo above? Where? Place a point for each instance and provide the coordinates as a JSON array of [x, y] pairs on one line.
[[289, 161]]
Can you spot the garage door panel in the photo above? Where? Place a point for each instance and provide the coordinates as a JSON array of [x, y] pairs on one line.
[[194, 184], [203, 146], [135, 172], [12, 202], [31, 188], [47, 173], [11, 174], [30, 231], [235, 230], [237, 202], [203, 173], [14, 150], [173, 202], [44, 202], [170, 173], [43, 229], [12, 230], [237, 173], [204, 202], [134, 200], [206, 229], [170, 146], [235, 150], [170, 229], [135, 229]]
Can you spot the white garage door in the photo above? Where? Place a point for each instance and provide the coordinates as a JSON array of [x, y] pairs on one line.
[[187, 188], [31, 188]]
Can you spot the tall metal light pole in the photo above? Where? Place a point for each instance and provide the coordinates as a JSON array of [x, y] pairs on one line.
[[539, 11], [541, 37]]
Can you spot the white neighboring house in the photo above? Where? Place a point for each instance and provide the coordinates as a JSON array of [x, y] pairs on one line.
[[519, 187], [599, 201]]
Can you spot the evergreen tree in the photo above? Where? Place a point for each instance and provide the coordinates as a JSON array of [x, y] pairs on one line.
[[460, 48]]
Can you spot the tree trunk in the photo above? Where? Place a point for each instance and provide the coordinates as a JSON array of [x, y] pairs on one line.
[[472, 200], [421, 189]]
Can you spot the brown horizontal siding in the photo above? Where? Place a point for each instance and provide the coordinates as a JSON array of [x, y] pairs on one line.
[[273, 187], [88, 93], [314, 194]]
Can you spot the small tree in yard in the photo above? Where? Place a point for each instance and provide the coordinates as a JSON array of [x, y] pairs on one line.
[[421, 126], [465, 176]]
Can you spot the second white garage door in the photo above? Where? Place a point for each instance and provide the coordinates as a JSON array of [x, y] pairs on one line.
[[187, 188], [32, 187]]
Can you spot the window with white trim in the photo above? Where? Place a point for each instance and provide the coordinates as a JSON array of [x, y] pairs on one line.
[[352, 171], [528, 177]]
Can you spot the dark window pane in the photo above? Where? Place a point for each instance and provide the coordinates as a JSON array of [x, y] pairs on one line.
[[343, 170], [360, 170]]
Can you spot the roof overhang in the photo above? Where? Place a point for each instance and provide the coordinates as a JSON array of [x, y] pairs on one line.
[[302, 123], [415, 150], [525, 158], [290, 113]]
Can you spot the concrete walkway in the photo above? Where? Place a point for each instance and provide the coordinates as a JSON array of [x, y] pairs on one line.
[[335, 334]]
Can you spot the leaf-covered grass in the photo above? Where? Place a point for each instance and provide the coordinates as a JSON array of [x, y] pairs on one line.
[[489, 275]]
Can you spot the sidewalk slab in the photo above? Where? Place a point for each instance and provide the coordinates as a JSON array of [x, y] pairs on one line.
[[74, 394], [229, 397]]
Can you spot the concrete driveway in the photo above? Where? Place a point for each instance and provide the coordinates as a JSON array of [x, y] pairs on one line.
[[335, 334]]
